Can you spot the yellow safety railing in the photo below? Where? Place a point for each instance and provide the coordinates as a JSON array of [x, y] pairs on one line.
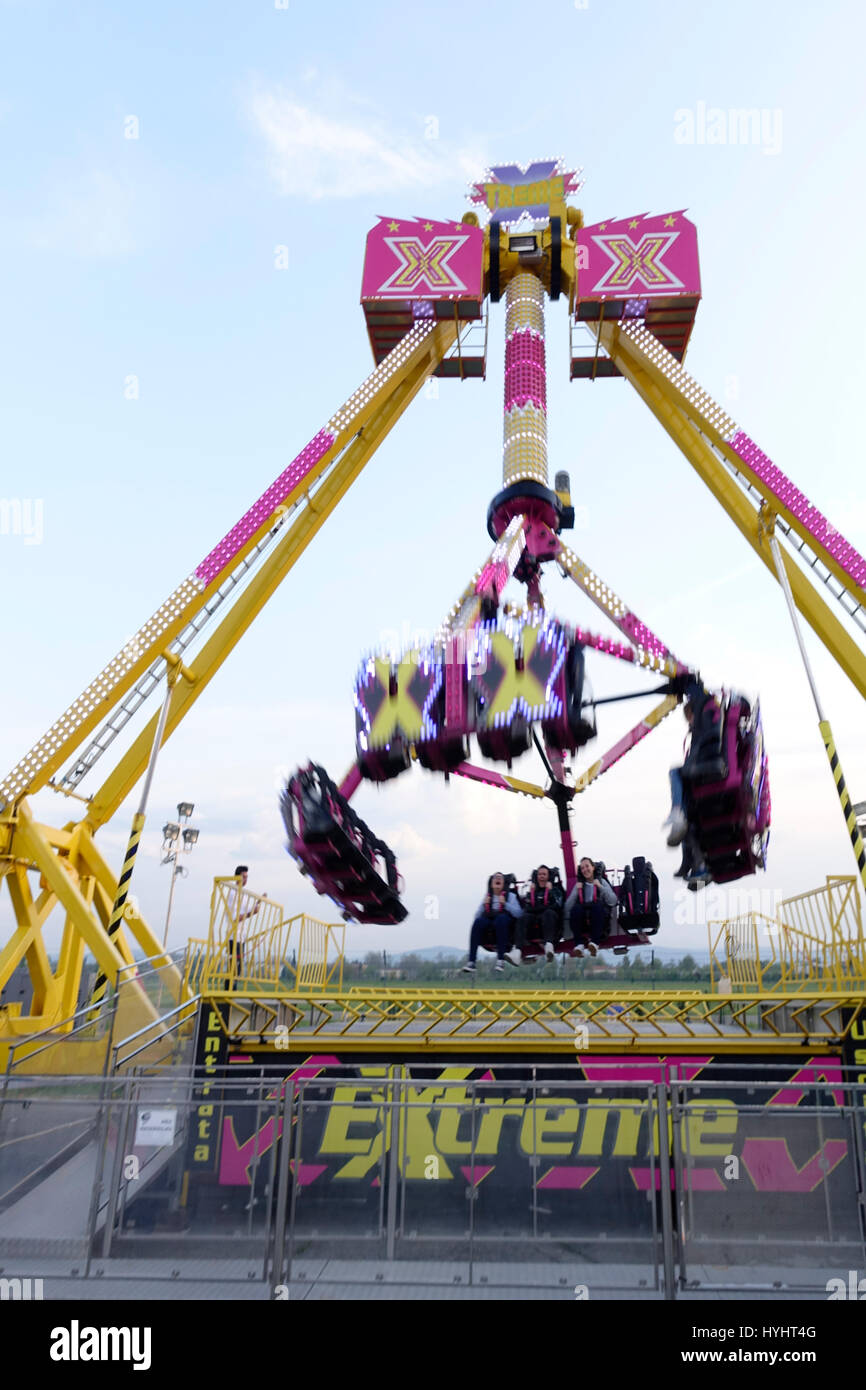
[[428, 1021], [253, 948], [815, 941]]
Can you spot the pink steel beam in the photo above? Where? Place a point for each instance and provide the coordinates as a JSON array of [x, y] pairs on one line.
[[626, 743], [350, 782], [498, 779], [739, 448], [661, 657], [808, 517], [235, 539], [336, 433], [669, 666]]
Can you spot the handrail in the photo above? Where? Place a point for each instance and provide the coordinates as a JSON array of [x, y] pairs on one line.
[[192, 1004], [58, 1032], [90, 1022]]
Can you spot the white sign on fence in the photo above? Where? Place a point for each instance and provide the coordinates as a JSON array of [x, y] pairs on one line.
[[154, 1127]]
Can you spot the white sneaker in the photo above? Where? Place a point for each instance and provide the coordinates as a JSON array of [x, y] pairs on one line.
[[679, 827], [515, 955], [468, 968], [499, 967], [549, 951]]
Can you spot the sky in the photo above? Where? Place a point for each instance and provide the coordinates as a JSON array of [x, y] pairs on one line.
[[159, 368]]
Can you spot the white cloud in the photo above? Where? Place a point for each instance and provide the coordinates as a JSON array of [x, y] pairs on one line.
[[315, 155], [406, 842]]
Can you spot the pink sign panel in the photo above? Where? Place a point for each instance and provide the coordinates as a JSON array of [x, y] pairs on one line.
[[638, 256], [417, 258]]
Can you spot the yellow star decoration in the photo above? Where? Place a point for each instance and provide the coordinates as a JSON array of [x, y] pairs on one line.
[[602, 226], [633, 223], [393, 226], [428, 226], [670, 221]]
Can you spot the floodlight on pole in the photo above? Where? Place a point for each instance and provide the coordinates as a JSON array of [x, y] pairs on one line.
[[172, 833]]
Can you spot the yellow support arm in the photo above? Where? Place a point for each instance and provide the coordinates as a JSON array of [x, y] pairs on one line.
[[661, 391], [412, 360], [266, 580]]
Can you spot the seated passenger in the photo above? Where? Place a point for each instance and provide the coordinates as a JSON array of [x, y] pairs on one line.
[[588, 907], [678, 820], [542, 906], [698, 703], [693, 867], [498, 910], [704, 758], [613, 908]]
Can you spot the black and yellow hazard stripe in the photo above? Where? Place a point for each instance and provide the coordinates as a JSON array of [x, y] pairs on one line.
[[844, 798], [117, 912]]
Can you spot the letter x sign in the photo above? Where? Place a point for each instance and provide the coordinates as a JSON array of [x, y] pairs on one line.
[[637, 264], [424, 266]]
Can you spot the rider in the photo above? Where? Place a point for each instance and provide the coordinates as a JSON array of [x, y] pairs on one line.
[[498, 908], [588, 907], [543, 905], [702, 714]]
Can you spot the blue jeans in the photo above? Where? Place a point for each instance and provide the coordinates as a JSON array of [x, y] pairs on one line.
[[677, 797], [502, 925]]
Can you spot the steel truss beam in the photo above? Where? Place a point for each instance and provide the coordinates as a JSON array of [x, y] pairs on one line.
[[699, 427], [77, 879], [604, 1019]]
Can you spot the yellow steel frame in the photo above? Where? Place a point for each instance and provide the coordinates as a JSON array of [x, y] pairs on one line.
[[250, 942], [77, 880], [815, 941], [431, 1021], [698, 427]]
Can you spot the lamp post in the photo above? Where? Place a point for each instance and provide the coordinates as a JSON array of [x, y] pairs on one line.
[[172, 833]]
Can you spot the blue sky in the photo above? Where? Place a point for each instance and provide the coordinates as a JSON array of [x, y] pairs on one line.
[[154, 257]]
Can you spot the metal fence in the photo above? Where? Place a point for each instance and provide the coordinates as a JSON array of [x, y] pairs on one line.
[[252, 947], [654, 1186], [142, 1017], [816, 939]]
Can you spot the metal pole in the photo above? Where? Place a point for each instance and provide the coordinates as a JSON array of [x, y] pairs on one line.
[[391, 1147], [679, 1176], [116, 918], [174, 873], [665, 1189], [823, 723], [283, 1108]]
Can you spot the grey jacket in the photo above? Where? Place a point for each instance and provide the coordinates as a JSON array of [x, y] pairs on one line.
[[606, 893], [512, 904]]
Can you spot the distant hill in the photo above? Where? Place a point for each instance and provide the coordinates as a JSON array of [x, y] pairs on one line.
[[434, 953], [670, 953]]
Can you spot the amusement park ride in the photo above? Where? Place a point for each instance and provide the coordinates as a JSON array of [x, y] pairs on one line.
[[507, 675]]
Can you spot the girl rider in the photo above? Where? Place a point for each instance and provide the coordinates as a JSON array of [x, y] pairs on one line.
[[499, 908], [587, 907], [543, 905]]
